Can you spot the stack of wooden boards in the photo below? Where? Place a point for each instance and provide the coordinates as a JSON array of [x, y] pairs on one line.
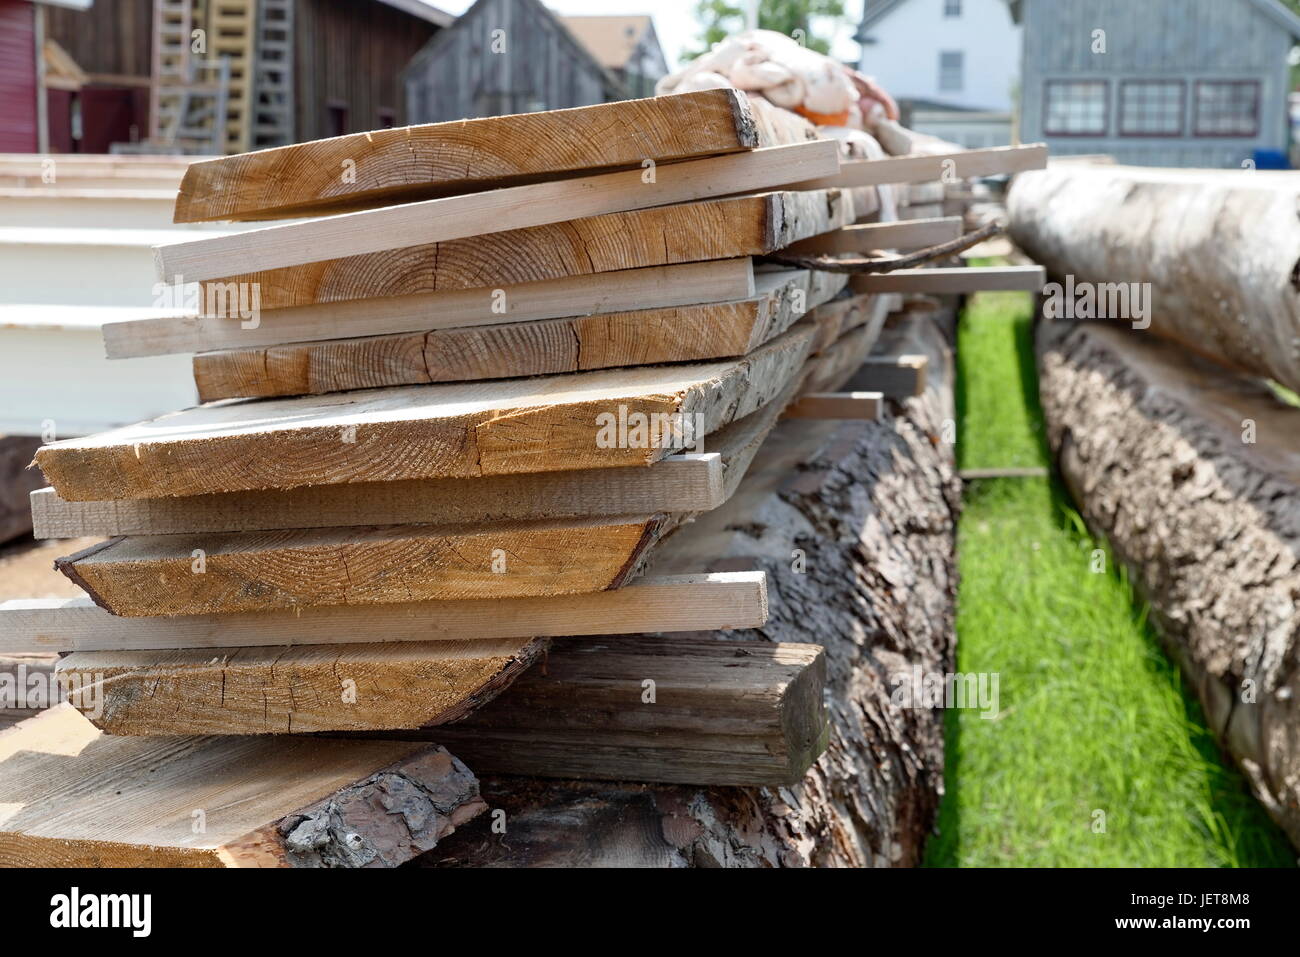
[[453, 417]]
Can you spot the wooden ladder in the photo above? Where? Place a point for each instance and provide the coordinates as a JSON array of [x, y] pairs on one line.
[[189, 95], [172, 23], [231, 25]]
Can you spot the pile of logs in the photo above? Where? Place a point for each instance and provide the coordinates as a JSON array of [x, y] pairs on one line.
[[515, 382], [1173, 441]]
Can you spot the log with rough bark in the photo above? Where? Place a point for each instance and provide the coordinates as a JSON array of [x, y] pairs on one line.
[[687, 232], [854, 524], [1220, 250], [446, 430], [417, 162], [1193, 474], [662, 709], [75, 797], [265, 690]]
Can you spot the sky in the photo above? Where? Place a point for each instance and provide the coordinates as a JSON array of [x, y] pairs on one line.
[[675, 21]]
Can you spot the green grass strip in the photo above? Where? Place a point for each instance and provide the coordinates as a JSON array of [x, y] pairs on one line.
[[1098, 756]]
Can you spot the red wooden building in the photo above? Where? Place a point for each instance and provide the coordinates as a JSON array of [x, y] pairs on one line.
[[126, 75]]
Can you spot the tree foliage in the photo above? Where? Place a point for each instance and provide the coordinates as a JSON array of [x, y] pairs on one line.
[[719, 19], [1295, 70]]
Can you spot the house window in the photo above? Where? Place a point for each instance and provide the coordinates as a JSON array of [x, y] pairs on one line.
[[1151, 107], [1075, 107], [951, 67], [952, 8], [1226, 108]]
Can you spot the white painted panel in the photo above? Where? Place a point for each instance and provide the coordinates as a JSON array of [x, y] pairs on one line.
[[59, 374]]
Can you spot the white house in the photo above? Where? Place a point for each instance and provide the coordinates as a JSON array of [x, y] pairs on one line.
[[953, 64]]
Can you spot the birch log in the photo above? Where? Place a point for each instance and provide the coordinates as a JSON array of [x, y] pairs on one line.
[[1220, 249]]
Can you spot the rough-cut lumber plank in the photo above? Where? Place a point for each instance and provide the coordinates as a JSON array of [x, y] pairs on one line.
[[838, 317], [165, 575], [684, 482], [664, 603], [897, 376], [75, 797], [1219, 249], [724, 713], [17, 481], [435, 221], [906, 334], [683, 284], [687, 232], [836, 405], [835, 365], [865, 237], [417, 162], [408, 432], [266, 690], [149, 575], [923, 168], [1193, 474], [923, 211], [643, 337], [954, 280], [872, 508]]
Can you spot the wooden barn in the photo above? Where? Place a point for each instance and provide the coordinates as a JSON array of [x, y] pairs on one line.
[[23, 71], [200, 76], [1194, 83], [505, 56]]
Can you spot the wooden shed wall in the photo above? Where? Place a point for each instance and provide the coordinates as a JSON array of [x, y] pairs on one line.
[[17, 77], [112, 38], [541, 68], [351, 54]]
